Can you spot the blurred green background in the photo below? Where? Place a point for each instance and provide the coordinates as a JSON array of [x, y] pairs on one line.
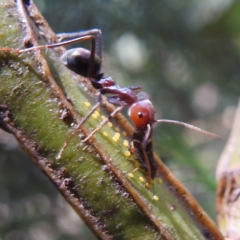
[[185, 55]]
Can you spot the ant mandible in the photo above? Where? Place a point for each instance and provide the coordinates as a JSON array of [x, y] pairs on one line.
[[141, 110]]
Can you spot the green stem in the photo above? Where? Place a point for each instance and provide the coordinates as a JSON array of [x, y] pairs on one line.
[[40, 100]]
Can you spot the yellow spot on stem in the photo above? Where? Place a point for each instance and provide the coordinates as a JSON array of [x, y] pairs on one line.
[[116, 137], [141, 179], [131, 175], [94, 115], [127, 154], [110, 124], [87, 104], [105, 134], [155, 198], [97, 113], [126, 143], [147, 185], [124, 133]]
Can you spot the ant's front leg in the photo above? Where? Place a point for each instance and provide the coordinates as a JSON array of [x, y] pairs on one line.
[[104, 122], [79, 125], [143, 153]]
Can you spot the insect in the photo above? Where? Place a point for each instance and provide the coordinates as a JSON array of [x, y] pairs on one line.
[[142, 114], [141, 111]]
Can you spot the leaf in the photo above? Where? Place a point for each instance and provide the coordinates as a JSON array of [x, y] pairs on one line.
[[229, 183]]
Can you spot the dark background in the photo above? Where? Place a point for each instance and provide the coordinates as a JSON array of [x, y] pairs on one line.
[[185, 55]]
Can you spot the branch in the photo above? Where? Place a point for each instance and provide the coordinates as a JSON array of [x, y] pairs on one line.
[[93, 177]]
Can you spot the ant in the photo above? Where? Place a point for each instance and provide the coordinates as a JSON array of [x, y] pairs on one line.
[[141, 111], [142, 114]]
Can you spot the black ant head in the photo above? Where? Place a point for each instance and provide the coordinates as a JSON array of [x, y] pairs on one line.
[[142, 113], [78, 60]]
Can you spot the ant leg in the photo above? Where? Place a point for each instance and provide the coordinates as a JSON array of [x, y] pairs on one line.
[[59, 44], [104, 122], [53, 45], [134, 170], [96, 32], [76, 40], [76, 129], [96, 46], [148, 166], [9, 49], [147, 135], [141, 141]]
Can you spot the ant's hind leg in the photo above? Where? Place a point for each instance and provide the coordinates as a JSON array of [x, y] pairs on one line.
[[96, 32], [53, 45], [71, 56], [58, 44]]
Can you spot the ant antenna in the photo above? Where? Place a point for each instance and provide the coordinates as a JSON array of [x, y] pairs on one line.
[[189, 126]]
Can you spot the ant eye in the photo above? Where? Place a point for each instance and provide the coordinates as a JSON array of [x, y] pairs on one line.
[[141, 113]]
